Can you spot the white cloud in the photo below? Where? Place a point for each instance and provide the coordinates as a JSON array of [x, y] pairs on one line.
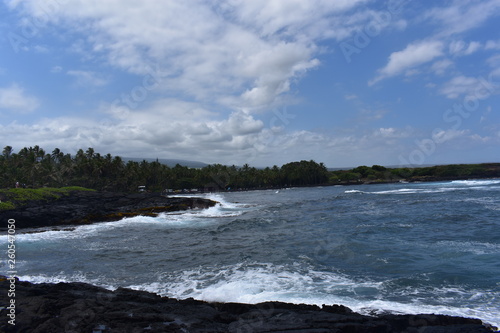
[[462, 15], [470, 87], [393, 133], [185, 130], [291, 17], [86, 78], [244, 55], [459, 85], [494, 61], [473, 47], [367, 114], [442, 136], [440, 67], [459, 47], [242, 124], [413, 55], [56, 69], [456, 46], [492, 45], [13, 98], [41, 49], [228, 51], [221, 63]]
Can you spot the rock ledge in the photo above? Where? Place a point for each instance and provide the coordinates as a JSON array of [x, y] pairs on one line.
[[85, 207], [80, 307]]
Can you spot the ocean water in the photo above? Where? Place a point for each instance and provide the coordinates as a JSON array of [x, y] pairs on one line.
[[400, 248]]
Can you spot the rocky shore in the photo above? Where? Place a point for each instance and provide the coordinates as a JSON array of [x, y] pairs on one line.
[[79, 307], [85, 207]]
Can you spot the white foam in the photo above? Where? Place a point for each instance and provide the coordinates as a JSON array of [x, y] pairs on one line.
[[249, 283], [456, 185], [61, 277], [223, 208], [404, 191], [174, 219], [76, 232], [64, 233], [478, 248], [353, 191], [477, 182], [260, 282]]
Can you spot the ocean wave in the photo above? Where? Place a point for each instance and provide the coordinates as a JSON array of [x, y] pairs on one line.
[[355, 191], [65, 232], [252, 282], [476, 182], [421, 190], [188, 218], [261, 282], [405, 191], [99, 281], [478, 248]]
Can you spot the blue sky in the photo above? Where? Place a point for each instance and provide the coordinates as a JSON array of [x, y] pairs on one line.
[[262, 82]]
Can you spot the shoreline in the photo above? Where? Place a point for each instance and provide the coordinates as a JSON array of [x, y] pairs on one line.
[[401, 181], [87, 207], [238, 317], [81, 307]]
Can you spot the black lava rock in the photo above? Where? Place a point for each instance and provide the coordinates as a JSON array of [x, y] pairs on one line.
[[85, 207], [79, 307]]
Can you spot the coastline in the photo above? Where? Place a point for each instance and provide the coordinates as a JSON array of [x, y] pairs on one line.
[[81, 307], [238, 321], [86, 207]]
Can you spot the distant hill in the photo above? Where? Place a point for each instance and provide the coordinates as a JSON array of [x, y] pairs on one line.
[[168, 161]]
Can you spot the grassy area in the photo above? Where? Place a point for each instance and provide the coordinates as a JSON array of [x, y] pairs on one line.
[[17, 197]]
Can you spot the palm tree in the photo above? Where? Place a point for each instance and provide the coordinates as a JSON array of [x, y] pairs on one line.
[[57, 155], [7, 152]]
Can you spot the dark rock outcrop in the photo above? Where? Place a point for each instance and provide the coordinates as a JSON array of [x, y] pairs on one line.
[[85, 207], [79, 307]]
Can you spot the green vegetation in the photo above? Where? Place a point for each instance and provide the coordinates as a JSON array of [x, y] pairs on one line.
[[37, 170], [377, 173], [6, 205], [18, 197]]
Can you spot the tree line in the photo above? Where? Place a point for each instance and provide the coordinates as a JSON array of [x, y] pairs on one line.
[[34, 167]]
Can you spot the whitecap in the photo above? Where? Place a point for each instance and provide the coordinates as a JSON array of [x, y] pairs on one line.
[[476, 182], [354, 191], [74, 277], [478, 248], [260, 282], [252, 282]]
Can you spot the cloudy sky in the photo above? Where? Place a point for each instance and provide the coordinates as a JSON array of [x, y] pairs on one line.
[[263, 82]]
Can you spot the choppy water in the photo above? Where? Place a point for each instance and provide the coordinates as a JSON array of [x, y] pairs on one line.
[[403, 248]]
